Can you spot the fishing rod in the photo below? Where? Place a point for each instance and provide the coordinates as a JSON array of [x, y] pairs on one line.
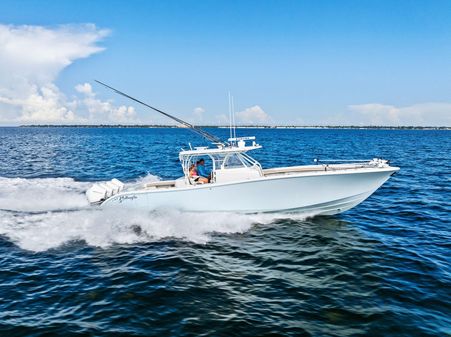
[[193, 128]]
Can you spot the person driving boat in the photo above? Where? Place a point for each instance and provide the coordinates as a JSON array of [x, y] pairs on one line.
[[201, 170]]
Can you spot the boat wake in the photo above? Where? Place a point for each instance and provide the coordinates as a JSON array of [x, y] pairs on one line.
[[41, 214]]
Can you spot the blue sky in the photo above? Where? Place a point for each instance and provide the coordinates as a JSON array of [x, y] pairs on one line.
[[285, 62]]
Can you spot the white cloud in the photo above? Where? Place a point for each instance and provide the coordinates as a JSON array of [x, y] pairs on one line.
[[31, 58], [85, 88], [39, 53], [222, 119], [103, 111], [198, 113], [41, 104], [199, 110], [424, 114], [254, 114]]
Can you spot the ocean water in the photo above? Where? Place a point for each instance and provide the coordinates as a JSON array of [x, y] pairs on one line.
[[380, 269]]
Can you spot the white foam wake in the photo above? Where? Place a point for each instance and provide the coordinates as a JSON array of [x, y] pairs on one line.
[[40, 214], [18, 194]]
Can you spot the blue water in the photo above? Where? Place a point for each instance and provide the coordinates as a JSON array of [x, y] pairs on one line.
[[380, 269]]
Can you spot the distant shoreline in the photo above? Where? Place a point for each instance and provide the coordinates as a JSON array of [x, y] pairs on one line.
[[368, 127]]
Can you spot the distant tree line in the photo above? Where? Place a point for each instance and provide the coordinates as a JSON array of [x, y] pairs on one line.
[[381, 127]]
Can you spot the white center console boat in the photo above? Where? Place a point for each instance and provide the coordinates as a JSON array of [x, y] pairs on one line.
[[238, 183]]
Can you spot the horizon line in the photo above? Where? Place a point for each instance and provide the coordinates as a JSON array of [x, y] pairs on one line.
[[249, 126]]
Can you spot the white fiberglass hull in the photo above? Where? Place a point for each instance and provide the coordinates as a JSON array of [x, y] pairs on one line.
[[318, 193]]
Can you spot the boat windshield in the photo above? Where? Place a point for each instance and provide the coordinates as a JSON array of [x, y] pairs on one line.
[[218, 160], [230, 160], [221, 161]]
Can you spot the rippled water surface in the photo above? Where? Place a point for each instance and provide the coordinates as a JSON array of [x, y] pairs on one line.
[[380, 269]]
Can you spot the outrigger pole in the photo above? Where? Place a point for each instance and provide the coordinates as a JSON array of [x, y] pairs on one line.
[[193, 128]]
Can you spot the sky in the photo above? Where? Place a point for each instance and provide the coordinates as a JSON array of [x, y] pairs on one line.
[[285, 62]]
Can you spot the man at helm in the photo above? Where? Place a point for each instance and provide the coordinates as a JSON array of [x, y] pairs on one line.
[[201, 170]]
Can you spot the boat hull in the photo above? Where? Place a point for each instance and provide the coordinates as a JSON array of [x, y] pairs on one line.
[[323, 193]]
